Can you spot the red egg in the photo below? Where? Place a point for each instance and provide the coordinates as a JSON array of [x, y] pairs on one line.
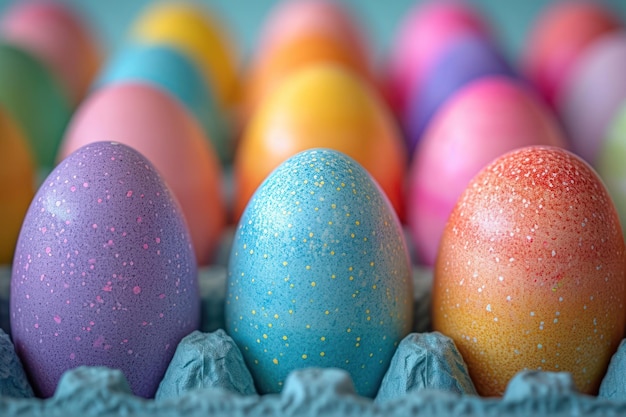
[[562, 31], [463, 138], [531, 272]]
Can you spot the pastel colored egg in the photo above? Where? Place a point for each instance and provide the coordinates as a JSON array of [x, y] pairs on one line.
[[32, 97], [58, 35], [155, 124], [422, 36], [17, 184], [557, 38], [319, 274], [610, 162], [321, 106], [464, 137], [198, 32], [466, 59], [174, 72], [592, 94], [531, 272], [104, 272], [302, 33]]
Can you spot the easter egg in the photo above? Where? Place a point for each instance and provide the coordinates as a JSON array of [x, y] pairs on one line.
[[104, 272], [560, 33], [171, 70], [33, 98], [56, 34], [17, 184], [302, 33], [321, 106], [319, 274], [157, 125], [422, 36], [464, 137], [531, 271], [593, 93], [610, 162], [198, 32], [467, 59]]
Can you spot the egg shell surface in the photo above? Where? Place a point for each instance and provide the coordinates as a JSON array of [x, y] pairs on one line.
[[157, 125], [321, 106], [319, 274], [17, 184], [58, 35], [198, 32], [464, 137], [33, 97], [166, 67], [562, 31], [104, 272], [466, 59], [423, 35], [531, 271], [593, 93]]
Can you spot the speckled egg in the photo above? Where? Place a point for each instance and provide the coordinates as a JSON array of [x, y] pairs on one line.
[[104, 272], [531, 271], [319, 274]]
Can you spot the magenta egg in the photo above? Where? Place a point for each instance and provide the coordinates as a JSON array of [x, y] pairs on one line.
[[104, 272], [464, 137]]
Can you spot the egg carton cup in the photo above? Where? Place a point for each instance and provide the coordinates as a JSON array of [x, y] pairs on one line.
[[208, 377]]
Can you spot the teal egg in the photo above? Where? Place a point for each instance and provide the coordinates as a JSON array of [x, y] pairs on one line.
[[319, 274], [34, 98], [167, 68]]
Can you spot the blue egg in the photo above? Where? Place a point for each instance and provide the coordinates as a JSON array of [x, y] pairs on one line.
[[469, 58], [169, 69], [319, 274]]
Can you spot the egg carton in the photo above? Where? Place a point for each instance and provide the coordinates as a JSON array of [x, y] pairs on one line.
[[207, 376]]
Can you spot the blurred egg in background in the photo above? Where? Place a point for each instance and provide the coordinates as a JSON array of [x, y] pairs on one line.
[[196, 30], [422, 36], [17, 184], [558, 35], [59, 36], [483, 120], [590, 97], [157, 125], [323, 105], [168, 68], [466, 59], [299, 33]]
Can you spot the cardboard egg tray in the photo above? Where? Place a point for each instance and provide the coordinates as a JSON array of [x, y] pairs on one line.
[[416, 389]]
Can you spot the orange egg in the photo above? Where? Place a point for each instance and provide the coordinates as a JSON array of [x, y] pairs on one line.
[[301, 33], [17, 184], [321, 106], [560, 34], [531, 271]]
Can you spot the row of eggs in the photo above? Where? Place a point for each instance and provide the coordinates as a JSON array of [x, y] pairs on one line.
[[328, 238]]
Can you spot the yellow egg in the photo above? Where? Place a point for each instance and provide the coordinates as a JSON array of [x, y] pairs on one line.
[[17, 184], [197, 32]]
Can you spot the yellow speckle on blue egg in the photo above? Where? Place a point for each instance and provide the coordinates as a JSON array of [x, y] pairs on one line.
[[319, 274]]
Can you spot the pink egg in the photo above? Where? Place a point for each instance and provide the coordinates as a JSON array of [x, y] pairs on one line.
[[423, 35], [464, 137], [560, 34], [56, 34], [592, 94], [155, 124]]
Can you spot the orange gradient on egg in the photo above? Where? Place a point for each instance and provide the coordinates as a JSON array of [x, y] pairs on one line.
[[531, 271], [17, 184], [322, 106]]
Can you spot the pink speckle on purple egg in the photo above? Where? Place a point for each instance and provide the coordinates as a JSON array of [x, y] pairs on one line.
[[88, 286]]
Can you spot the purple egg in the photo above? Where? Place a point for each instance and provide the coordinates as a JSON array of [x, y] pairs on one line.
[[468, 58], [104, 272]]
